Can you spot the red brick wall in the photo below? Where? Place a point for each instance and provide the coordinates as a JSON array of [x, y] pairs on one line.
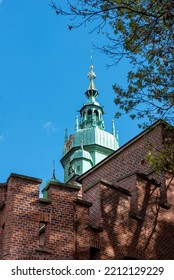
[[127, 160], [123, 213], [61, 230], [33, 228], [3, 194], [141, 225], [82, 230], [20, 223]]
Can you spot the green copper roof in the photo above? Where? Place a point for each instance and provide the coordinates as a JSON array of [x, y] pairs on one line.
[[94, 135], [81, 154], [97, 143], [51, 180]]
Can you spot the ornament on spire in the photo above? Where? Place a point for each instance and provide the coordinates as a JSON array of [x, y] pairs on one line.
[[77, 124], [92, 90], [53, 175], [113, 128]]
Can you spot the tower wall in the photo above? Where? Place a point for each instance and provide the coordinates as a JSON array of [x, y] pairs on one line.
[[132, 203]]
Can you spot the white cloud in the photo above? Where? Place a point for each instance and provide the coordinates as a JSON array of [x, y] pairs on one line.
[[1, 138], [49, 127]]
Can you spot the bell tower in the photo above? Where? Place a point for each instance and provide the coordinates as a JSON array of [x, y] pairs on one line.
[[90, 143]]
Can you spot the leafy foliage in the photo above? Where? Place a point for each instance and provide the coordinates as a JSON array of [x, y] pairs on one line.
[[163, 159], [141, 30]]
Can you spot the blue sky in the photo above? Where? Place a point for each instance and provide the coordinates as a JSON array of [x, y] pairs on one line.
[[43, 78]]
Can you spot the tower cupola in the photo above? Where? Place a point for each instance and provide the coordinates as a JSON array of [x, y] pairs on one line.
[[90, 143]]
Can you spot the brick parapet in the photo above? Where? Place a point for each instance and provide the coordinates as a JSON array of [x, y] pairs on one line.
[[62, 236], [19, 222], [83, 231], [37, 228]]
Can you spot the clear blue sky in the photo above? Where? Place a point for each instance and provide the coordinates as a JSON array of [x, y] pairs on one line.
[[43, 78]]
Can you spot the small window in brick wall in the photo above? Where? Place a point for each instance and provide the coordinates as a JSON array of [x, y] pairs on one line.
[[95, 246], [94, 253], [42, 229]]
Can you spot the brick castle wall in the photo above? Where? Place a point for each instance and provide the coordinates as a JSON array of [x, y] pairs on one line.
[[123, 210], [138, 223]]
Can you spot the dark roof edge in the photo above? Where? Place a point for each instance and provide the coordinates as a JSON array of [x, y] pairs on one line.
[[3, 185], [130, 142], [59, 184], [24, 177], [109, 184], [83, 202]]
